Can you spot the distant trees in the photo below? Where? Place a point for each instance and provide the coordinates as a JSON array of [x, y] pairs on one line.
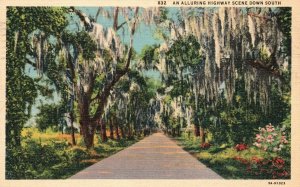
[[50, 115]]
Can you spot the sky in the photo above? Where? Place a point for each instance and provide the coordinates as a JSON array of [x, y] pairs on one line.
[[143, 36]]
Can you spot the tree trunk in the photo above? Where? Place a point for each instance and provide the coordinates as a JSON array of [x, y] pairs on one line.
[[173, 132], [202, 135], [103, 131], [117, 130], [178, 131], [88, 130], [111, 129], [87, 126], [196, 130], [123, 132], [80, 130], [72, 128], [189, 134], [129, 132]]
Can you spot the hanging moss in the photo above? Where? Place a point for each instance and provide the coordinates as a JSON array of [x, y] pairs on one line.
[[236, 43]]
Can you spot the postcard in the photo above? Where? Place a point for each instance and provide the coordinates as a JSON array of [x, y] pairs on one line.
[[150, 93]]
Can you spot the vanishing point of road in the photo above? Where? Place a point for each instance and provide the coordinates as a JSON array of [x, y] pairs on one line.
[[154, 157]]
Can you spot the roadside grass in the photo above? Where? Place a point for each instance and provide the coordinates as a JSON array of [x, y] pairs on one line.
[[50, 155], [224, 159]]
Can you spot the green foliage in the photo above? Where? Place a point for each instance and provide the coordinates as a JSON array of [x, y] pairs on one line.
[[28, 19], [82, 43], [284, 17], [136, 77], [22, 89], [150, 56], [78, 154], [280, 107], [238, 121], [153, 85], [177, 90], [241, 124], [34, 160]]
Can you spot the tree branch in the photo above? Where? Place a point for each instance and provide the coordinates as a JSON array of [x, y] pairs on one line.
[[116, 14], [97, 14], [83, 17], [31, 63], [121, 25], [116, 21]]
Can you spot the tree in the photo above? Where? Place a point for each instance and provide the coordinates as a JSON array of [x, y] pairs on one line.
[[28, 44], [95, 82], [184, 54], [50, 115]]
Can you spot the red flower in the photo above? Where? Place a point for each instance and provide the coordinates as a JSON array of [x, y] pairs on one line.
[[278, 162], [241, 147], [241, 160], [285, 173]]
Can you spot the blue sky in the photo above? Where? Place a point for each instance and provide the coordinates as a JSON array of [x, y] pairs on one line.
[[142, 37]]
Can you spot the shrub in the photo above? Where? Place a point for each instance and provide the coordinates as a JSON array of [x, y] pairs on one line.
[[271, 139], [275, 168], [15, 166], [77, 154], [205, 145], [32, 160], [113, 143]]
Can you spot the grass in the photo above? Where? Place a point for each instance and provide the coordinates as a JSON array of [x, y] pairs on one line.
[[223, 159], [50, 155], [48, 135]]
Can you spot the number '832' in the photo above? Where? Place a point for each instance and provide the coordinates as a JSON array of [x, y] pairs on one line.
[[162, 2]]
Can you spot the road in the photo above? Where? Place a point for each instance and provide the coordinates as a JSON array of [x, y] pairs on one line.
[[154, 157]]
